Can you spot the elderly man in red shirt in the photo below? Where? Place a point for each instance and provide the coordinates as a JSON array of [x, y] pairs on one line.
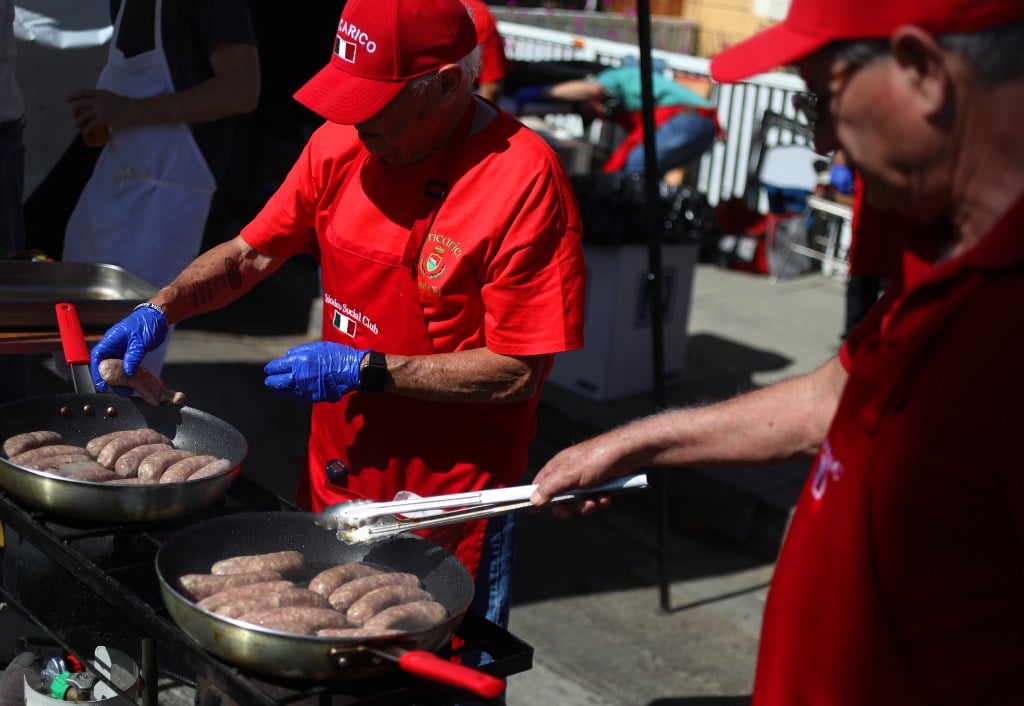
[[901, 578]]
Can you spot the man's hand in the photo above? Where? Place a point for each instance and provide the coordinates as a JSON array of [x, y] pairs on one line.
[[317, 372], [129, 339]]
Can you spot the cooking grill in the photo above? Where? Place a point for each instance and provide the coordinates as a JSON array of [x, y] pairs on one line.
[[119, 585]]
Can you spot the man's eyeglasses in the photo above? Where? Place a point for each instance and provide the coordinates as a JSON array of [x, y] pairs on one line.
[[812, 107]]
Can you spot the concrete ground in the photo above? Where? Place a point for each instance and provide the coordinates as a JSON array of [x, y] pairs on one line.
[[587, 590]]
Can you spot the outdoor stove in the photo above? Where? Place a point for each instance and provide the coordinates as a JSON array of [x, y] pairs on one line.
[[113, 593]]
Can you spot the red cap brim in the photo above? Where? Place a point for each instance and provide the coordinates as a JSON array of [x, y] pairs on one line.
[[776, 46], [343, 98]]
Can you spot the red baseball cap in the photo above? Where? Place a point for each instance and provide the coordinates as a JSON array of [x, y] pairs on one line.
[[811, 24], [380, 46]]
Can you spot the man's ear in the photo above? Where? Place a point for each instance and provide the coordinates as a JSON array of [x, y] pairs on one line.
[[924, 69], [451, 77]]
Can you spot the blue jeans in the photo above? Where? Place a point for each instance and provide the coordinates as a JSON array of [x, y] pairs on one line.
[[12, 187], [491, 597], [680, 140]]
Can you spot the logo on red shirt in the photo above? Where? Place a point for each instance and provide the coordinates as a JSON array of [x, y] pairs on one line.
[[828, 468]]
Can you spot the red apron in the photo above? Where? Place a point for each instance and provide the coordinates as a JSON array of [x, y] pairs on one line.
[[389, 443]]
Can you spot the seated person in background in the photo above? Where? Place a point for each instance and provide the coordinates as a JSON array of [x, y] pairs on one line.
[[686, 123]]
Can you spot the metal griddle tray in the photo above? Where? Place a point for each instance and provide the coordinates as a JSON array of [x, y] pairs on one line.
[[102, 294]]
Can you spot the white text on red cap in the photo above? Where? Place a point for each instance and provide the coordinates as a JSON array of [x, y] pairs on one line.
[[346, 49]]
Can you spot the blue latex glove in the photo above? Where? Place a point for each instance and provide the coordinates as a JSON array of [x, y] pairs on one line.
[[130, 339], [533, 93], [317, 372], [840, 178]]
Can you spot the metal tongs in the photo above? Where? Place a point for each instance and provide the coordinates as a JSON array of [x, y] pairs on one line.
[[359, 521]]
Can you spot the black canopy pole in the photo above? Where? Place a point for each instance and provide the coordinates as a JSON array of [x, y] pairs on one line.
[[654, 275]]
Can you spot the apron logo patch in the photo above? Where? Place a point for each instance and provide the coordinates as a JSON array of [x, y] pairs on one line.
[[344, 324], [432, 263]]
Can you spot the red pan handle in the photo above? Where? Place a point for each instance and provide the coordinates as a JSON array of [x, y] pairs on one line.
[[430, 666], [71, 336]]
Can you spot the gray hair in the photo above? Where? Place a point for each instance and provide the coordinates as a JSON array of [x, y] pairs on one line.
[[470, 65], [994, 54]]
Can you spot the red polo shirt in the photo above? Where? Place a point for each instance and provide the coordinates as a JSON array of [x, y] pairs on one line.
[[901, 580]]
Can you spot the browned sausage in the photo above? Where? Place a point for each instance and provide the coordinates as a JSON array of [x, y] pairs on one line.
[[327, 580], [127, 465], [373, 602], [21, 443], [213, 468], [47, 462], [301, 621], [249, 590], [149, 386], [286, 563], [96, 444], [39, 452], [94, 475], [154, 465], [199, 586], [180, 471], [356, 633], [409, 617], [127, 441], [349, 592], [294, 597]]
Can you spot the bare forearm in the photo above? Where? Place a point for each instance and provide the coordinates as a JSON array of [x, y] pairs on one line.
[[215, 279], [466, 376], [233, 89], [784, 421], [580, 90]]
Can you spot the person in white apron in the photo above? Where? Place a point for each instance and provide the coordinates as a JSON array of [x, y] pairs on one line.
[[146, 204]]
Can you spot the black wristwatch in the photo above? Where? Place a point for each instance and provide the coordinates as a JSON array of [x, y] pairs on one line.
[[374, 375]]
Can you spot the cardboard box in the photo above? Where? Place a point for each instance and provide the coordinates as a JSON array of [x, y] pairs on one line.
[[617, 359]]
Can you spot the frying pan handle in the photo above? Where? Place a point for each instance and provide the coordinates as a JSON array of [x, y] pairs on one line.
[[430, 666], [71, 336]]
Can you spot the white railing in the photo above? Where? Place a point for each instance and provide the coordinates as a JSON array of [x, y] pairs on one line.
[[723, 171]]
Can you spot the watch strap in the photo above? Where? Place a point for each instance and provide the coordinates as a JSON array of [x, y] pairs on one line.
[[373, 376]]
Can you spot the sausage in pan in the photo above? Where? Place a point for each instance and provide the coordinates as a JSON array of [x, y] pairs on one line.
[[357, 633], [286, 563], [129, 481], [199, 586], [328, 580], [213, 468], [127, 465], [47, 462], [302, 621], [97, 474], [416, 616], [154, 465], [150, 387], [180, 471], [249, 590], [21, 443], [381, 598], [293, 597], [39, 452], [349, 592], [96, 444], [127, 441]]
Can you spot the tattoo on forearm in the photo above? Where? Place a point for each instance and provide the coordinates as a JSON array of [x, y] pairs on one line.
[[205, 292]]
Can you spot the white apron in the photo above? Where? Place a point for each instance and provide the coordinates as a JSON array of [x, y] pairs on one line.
[[145, 206]]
